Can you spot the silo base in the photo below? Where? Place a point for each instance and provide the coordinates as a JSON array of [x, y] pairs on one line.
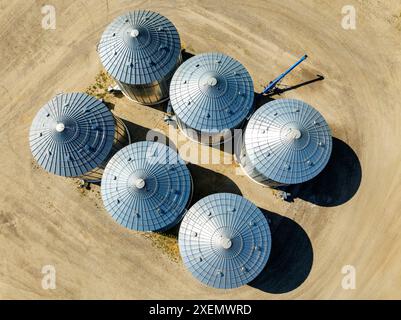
[[272, 184], [145, 104]]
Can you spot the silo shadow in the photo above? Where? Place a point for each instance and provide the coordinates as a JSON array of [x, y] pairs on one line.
[[207, 182], [337, 183], [186, 55], [291, 257], [162, 106], [139, 133], [260, 99]]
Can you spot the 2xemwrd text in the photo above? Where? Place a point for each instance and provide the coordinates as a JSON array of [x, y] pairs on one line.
[[202, 309]]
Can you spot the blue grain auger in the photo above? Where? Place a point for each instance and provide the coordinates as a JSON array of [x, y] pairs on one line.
[[272, 85]]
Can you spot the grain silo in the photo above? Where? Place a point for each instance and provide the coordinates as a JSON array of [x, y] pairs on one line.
[[74, 135], [224, 240], [141, 50], [285, 142], [211, 94], [146, 187]]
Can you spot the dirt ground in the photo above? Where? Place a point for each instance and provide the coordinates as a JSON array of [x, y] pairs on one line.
[[348, 215]]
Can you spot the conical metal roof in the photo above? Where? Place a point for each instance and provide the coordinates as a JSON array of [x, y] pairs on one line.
[[140, 47], [224, 240], [72, 134], [211, 91], [288, 141], [146, 186]]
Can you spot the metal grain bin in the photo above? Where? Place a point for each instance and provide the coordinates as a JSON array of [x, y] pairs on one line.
[[224, 241], [211, 94], [146, 187], [285, 142], [141, 50], [74, 135]]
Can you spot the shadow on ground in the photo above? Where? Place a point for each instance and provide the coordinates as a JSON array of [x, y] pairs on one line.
[[186, 55], [139, 133], [260, 99], [109, 105], [284, 88], [291, 256], [160, 106], [172, 232], [337, 183]]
